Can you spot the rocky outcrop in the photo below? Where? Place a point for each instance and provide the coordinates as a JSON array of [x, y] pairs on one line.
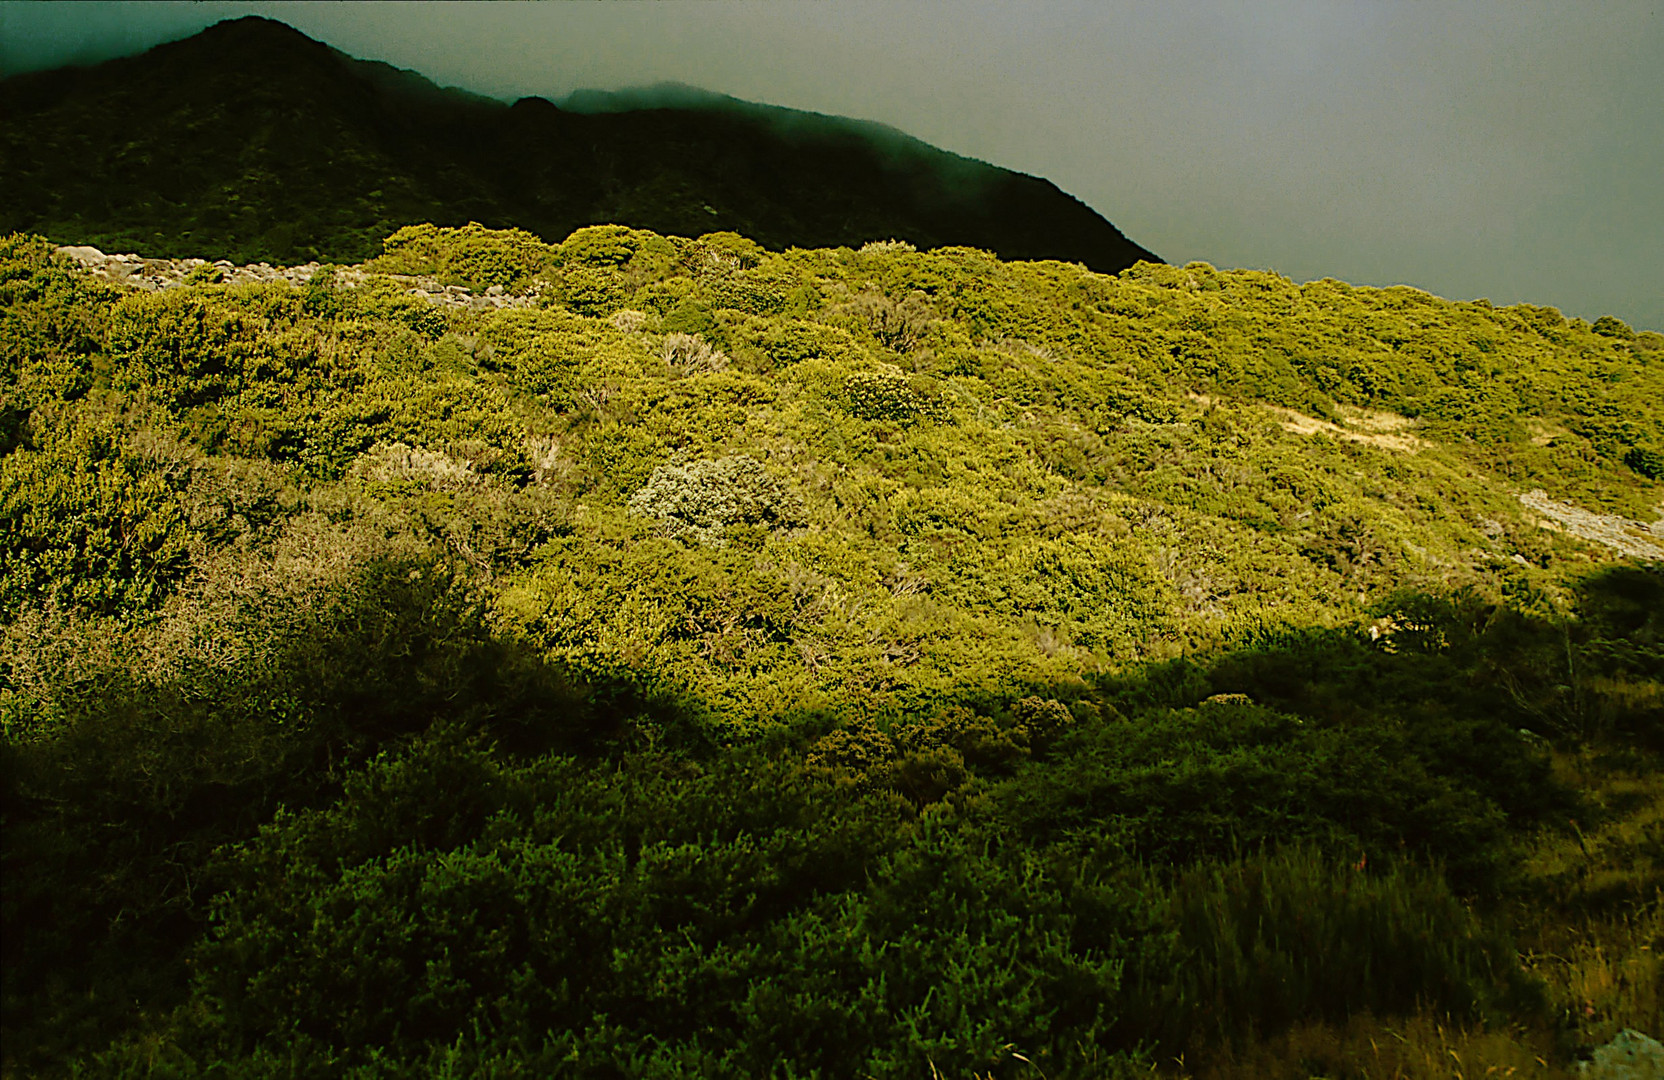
[[1630, 1056], [138, 272], [1633, 538], [143, 273]]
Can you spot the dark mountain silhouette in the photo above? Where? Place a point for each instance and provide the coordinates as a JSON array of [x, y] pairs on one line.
[[252, 141]]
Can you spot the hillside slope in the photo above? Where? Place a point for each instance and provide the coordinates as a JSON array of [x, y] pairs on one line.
[[638, 655], [251, 141]]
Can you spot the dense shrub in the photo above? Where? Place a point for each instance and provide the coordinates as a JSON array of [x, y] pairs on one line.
[[118, 784], [93, 522], [1611, 326], [702, 499], [1649, 463], [191, 347], [740, 918], [887, 395], [604, 246], [52, 327], [473, 256]]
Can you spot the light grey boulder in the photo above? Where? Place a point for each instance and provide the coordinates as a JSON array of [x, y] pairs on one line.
[[1630, 1056]]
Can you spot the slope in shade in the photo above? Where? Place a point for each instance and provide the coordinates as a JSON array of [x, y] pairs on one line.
[[252, 141]]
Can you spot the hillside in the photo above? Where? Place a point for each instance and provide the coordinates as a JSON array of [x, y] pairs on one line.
[[251, 141], [649, 656]]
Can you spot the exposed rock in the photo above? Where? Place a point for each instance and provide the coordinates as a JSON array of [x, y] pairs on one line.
[[1633, 538], [1630, 1056], [82, 254], [153, 274]]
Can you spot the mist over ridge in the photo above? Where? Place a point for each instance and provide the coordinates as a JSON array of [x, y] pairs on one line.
[[505, 579], [262, 143], [1488, 148]]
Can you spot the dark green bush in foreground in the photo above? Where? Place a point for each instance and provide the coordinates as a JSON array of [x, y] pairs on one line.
[[779, 905], [558, 918]]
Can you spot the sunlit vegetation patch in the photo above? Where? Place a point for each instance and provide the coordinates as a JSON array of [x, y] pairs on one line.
[[838, 662]]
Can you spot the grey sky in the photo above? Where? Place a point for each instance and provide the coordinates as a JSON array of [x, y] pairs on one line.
[[1511, 149]]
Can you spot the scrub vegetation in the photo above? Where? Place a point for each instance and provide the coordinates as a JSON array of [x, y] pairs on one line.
[[879, 662]]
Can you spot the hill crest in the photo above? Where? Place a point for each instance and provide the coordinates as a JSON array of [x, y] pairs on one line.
[[251, 141]]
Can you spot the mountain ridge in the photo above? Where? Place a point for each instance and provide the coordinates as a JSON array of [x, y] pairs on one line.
[[252, 141]]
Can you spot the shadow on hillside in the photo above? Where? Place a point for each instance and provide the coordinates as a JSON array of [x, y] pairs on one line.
[[1561, 677], [1420, 747]]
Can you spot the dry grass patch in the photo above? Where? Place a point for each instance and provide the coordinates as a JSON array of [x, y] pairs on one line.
[[1388, 431], [1366, 1048]]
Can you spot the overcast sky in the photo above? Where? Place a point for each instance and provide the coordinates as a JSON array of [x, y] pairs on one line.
[[1510, 149]]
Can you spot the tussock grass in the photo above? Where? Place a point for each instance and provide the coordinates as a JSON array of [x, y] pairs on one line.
[[1596, 929], [1365, 1047]]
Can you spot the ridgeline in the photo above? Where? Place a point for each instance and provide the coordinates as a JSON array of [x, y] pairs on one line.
[[251, 142]]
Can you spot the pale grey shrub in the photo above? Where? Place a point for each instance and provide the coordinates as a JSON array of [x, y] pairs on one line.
[[699, 500], [628, 320], [896, 324], [691, 355], [399, 463]]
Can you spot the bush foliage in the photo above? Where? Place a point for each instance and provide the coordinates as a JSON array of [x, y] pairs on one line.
[[718, 661]]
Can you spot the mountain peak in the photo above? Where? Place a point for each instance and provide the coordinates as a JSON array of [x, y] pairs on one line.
[[237, 39], [253, 141]]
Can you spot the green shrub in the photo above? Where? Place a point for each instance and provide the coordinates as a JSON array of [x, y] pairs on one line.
[[1184, 785], [602, 246], [93, 522], [741, 918], [52, 326], [321, 297], [192, 348], [788, 341], [1611, 326], [381, 299], [755, 292], [1649, 463], [884, 395], [472, 256], [591, 291]]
